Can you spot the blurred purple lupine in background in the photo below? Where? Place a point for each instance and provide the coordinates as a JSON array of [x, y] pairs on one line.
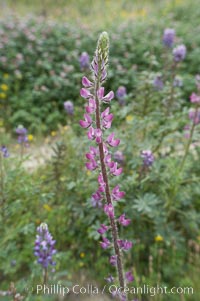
[[169, 37], [84, 61], [121, 95], [179, 53], [69, 107], [44, 249], [22, 134], [148, 158], [4, 151], [158, 83], [119, 157]]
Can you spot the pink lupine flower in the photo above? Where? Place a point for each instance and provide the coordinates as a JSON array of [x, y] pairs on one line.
[[125, 244], [105, 243], [111, 141], [86, 82], [109, 210], [129, 276], [102, 229], [123, 221], [194, 98], [107, 98], [113, 260], [100, 93], [87, 122], [85, 93], [114, 171], [97, 199], [91, 106], [102, 184], [95, 134], [92, 165], [106, 118], [117, 194]]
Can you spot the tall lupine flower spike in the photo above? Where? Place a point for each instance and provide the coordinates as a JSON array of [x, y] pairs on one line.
[[44, 249], [98, 121]]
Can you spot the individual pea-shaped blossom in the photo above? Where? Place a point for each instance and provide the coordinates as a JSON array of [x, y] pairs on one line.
[[44, 248], [97, 121]]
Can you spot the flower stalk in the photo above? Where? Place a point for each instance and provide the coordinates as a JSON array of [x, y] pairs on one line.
[[98, 122]]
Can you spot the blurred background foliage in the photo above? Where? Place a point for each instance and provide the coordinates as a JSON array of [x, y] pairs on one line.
[[40, 47]]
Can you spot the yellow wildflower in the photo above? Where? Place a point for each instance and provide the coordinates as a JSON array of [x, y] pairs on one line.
[[129, 118], [2, 95], [82, 255], [88, 172], [53, 133], [30, 137], [6, 75], [47, 207], [158, 238], [1, 123], [4, 87], [81, 264]]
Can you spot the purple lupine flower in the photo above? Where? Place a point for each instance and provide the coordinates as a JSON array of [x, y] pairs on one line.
[[111, 141], [168, 37], [84, 61], [113, 260], [119, 157], [158, 83], [91, 106], [125, 244], [102, 184], [69, 107], [86, 82], [123, 221], [22, 134], [121, 95], [102, 229], [194, 98], [115, 171], [105, 243], [106, 118], [110, 279], [4, 150], [194, 115], [179, 53], [87, 122], [96, 199], [117, 194], [109, 210], [44, 246], [129, 276], [148, 157]]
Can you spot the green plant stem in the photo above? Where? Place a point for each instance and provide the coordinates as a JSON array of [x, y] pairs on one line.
[[189, 142], [171, 100], [45, 275], [2, 200]]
